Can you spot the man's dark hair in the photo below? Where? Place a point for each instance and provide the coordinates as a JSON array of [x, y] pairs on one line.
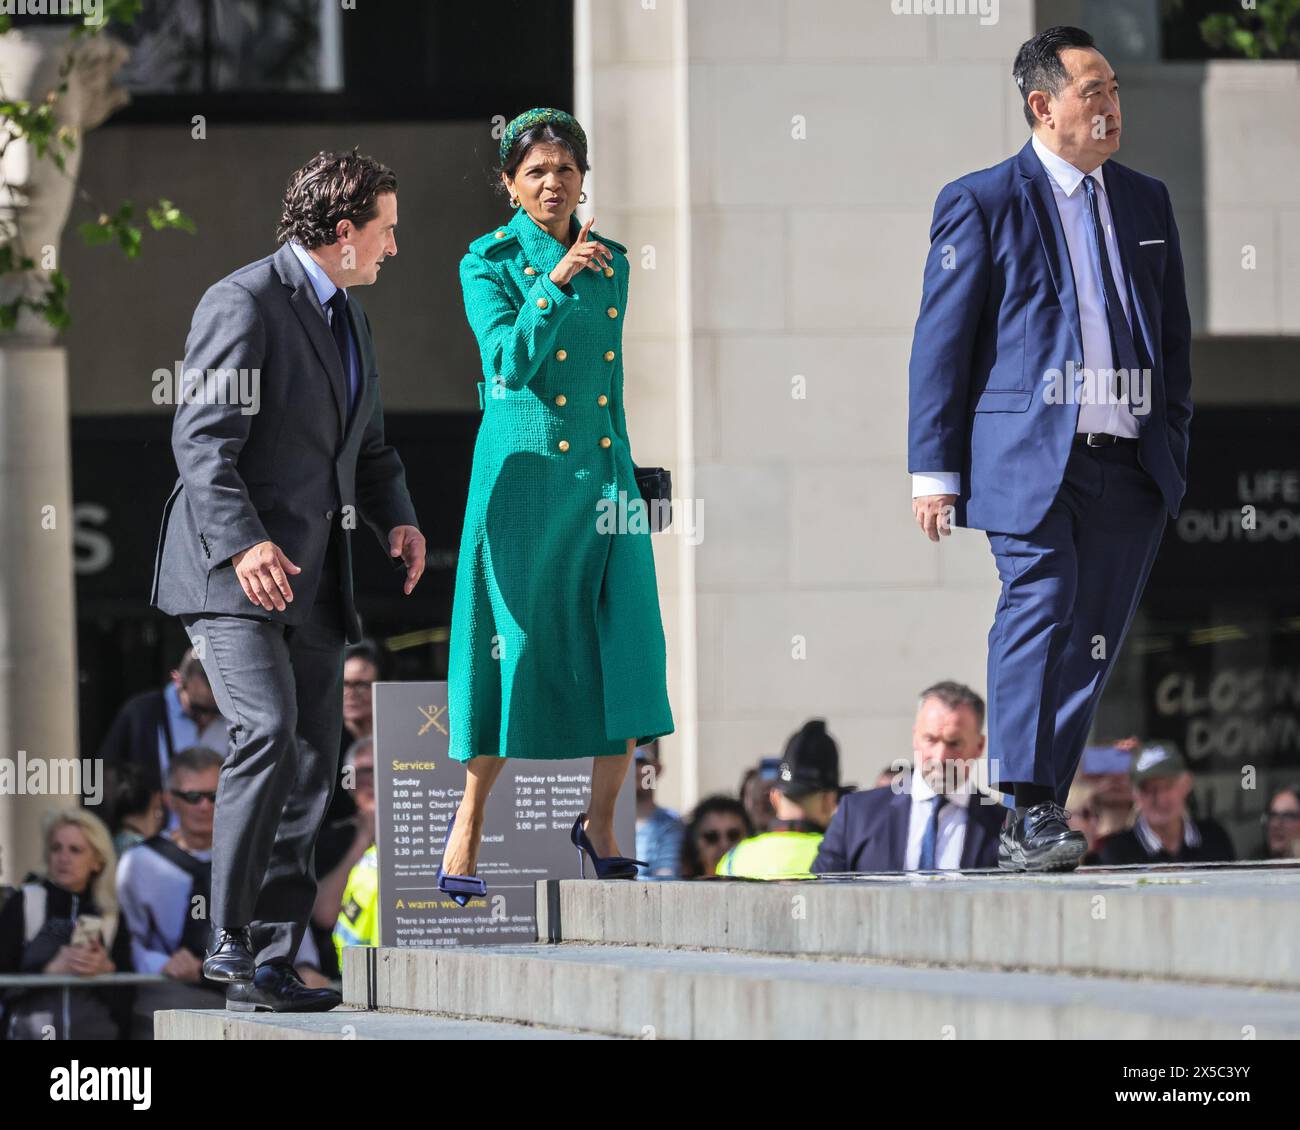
[[954, 695], [1038, 63], [329, 188]]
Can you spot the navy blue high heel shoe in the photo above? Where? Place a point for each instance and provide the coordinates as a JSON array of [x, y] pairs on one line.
[[462, 888], [608, 867]]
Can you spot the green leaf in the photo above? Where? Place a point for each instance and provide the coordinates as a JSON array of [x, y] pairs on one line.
[[167, 215]]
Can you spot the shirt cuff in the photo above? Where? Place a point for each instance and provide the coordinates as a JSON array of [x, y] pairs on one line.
[[935, 482]]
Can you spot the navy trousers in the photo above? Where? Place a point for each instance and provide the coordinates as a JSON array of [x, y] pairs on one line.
[[1069, 590]]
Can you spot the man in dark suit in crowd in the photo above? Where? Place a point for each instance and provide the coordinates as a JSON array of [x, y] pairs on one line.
[[255, 551], [932, 819], [153, 725], [1050, 397], [1164, 831]]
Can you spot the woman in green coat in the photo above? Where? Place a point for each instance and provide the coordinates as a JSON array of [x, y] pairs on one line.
[[557, 648]]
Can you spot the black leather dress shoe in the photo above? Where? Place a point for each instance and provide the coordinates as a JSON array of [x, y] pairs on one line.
[[276, 987], [1041, 840], [230, 958]]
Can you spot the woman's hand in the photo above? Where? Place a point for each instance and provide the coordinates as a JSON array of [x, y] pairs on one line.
[[59, 963], [86, 960], [583, 253], [90, 959]]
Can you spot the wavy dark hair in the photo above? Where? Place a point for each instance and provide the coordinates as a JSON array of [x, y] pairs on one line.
[[329, 188], [689, 865], [545, 134]]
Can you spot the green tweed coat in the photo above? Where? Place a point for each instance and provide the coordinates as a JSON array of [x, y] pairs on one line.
[[557, 648]]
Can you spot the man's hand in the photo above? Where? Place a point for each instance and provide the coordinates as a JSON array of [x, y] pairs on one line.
[[933, 513], [183, 966], [407, 543], [261, 571]]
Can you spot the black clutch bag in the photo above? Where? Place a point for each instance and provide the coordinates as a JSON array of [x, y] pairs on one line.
[[656, 487]]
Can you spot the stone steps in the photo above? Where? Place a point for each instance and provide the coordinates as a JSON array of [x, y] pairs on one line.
[[342, 1023], [1122, 953], [666, 993], [1217, 925]]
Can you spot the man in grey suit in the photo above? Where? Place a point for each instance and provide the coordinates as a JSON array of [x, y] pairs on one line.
[[279, 441]]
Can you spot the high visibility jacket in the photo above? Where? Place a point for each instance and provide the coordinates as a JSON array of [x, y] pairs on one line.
[[773, 855], [358, 923]]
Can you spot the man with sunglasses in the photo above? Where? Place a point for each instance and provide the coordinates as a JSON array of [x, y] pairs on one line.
[[153, 725], [163, 888]]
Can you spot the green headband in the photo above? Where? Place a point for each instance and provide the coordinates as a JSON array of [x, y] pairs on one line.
[[540, 116]]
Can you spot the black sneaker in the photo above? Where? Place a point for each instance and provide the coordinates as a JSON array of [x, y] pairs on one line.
[[1041, 840]]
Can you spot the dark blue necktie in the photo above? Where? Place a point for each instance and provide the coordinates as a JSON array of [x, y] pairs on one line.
[[338, 303], [931, 836], [1123, 350]]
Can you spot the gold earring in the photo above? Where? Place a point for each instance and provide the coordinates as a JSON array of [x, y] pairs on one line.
[[583, 198], [514, 202]]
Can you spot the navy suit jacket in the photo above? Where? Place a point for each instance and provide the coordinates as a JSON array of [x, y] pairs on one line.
[[999, 310], [869, 833]]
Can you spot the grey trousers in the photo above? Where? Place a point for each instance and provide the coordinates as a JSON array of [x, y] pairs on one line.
[[281, 689]]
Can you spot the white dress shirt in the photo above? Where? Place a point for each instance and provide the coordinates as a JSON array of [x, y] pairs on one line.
[[1072, 206], [950, 837]]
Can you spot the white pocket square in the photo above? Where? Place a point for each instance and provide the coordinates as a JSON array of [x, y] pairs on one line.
[[1148, 242]]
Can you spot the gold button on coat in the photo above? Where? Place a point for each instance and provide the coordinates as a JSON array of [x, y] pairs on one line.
[[602, 400], [605, 441], [543, 303], [530, 270], [609, 355], [563, 445], [609, 272], [612, 311], [561, 355], [561, 400], [500, 235]]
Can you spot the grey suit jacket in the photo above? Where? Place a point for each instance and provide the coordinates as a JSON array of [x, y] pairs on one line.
[[284, 472]]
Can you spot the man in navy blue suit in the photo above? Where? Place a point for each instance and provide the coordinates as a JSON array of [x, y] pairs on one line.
[[933, 819], [1050, 396]]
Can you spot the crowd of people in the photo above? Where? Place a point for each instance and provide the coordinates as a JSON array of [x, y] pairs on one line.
[[792, 816], [127, 893]]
